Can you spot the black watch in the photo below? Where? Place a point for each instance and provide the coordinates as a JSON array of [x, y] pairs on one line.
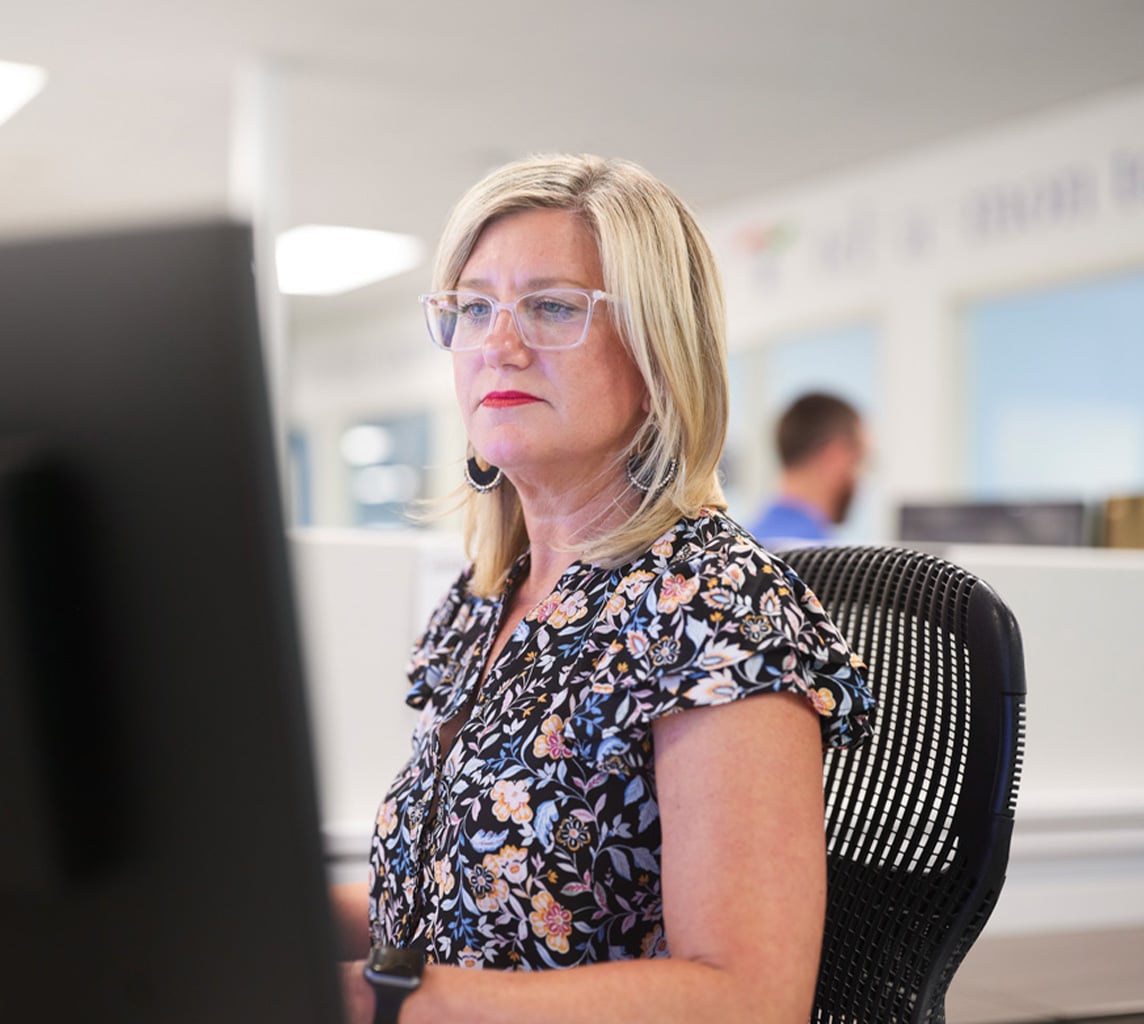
[[395, 974]]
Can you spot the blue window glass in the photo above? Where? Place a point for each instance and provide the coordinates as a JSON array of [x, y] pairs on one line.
[[1055, 391], [299, 478], [386, 460]]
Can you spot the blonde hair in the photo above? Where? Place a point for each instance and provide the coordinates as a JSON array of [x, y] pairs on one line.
[[657, 261]]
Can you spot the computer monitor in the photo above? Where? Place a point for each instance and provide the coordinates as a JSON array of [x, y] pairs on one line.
[[1059, 523], [160, 857]]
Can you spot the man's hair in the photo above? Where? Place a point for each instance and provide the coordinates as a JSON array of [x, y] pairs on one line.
[[669, 313], [810, 423]]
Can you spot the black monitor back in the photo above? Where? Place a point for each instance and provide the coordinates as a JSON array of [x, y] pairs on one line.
[[160, 857]]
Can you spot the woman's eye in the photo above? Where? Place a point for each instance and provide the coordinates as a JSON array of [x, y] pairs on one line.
[[551, 308], [473, 309]]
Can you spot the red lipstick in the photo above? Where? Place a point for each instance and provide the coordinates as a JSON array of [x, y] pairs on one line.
[[503, 399]]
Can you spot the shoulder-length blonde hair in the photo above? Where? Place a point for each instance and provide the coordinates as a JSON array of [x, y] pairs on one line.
[[658, 263]]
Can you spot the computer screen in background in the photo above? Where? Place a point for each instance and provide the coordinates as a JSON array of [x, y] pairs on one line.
[[160, 857], [1061, 523]]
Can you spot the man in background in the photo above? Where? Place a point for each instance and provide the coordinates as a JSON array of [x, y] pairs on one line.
[[821, 445]]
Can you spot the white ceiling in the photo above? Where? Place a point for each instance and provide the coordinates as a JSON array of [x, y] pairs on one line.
[[391, 110]]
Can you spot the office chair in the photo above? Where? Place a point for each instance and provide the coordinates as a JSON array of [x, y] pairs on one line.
[[918, 820]]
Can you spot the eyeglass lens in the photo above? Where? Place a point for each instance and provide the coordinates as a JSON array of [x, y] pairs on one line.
[[555, 318]]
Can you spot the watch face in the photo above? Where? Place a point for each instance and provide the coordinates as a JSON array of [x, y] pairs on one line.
[[392, 965]]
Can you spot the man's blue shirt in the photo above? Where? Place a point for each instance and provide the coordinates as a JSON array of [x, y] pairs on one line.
[[785, 519]]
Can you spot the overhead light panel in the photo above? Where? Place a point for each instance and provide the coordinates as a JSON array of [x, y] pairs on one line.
[[318, 259], [19, 83]]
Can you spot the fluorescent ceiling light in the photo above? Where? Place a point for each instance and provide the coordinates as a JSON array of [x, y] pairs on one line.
[[19, 83], [315, 259]]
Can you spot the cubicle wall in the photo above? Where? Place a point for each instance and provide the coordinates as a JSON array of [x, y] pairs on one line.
[[363, 597], [1078, 845]]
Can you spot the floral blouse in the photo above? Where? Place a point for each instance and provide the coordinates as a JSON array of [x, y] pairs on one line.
[[536, 841]]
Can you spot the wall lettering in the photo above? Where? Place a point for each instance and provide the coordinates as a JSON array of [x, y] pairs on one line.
[[1011, 209], [1126, 177]]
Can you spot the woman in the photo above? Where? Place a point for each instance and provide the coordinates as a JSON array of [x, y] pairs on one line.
[[589, 787]]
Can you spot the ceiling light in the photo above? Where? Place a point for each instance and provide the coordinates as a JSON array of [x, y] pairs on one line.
[[19, 83], [316, 259]]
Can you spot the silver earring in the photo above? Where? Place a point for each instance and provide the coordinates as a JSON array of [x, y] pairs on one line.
[[639, 480], [482, 479]]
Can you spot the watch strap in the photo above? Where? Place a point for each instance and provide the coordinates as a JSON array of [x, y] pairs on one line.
[[388, 1000], [394, 974]]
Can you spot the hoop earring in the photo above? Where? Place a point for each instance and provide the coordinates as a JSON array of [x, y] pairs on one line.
[[641, 482], [482, 479]]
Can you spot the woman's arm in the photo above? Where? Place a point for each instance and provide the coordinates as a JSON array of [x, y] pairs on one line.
[[349, 904], [744, 856], [744, 888]]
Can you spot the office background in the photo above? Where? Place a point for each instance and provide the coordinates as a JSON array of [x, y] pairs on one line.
[[938, 212]]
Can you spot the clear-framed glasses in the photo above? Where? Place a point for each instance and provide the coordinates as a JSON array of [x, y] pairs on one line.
[[552, 318]]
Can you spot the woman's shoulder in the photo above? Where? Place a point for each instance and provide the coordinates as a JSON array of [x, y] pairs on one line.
[[711, 542], [719, 618], [713, 552], [707, 559]]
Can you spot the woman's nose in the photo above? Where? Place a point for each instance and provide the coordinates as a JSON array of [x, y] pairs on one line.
[[503, 343]]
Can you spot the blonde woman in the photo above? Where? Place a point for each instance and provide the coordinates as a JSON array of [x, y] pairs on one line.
[[614, 798]]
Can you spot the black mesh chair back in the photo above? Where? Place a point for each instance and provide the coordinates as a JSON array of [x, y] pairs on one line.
[[919, 819]]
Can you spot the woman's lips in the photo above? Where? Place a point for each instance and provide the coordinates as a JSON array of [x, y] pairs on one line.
[[503, 399]]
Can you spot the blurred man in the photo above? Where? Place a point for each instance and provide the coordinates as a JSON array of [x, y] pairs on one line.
[[821, 445]]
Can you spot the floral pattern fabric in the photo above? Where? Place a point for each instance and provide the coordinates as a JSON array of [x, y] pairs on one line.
[[535, 841]]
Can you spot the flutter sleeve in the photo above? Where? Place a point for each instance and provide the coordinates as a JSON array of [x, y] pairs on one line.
[[728, 622]]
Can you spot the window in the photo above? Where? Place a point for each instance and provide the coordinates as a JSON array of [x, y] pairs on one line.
[[386, 460], [1055, 391]]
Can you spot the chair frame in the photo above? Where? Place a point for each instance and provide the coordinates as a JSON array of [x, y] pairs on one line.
[[919, 819]]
